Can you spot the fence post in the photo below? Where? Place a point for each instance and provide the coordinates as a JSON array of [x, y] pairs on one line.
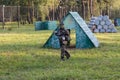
[[3, 7], [18, 15]]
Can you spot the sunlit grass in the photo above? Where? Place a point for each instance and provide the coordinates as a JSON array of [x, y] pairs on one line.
[[22, 57]]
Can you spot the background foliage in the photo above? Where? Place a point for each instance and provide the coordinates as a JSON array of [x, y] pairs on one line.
[[51, 9]]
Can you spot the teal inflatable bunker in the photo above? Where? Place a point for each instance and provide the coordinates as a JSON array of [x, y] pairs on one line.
[[46, 25], [38, 25], [84, 36], [117, 21]]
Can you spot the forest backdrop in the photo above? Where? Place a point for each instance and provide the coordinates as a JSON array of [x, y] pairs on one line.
[[31, 10]]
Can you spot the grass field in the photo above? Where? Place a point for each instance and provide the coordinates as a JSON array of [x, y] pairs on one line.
[[23, 58]]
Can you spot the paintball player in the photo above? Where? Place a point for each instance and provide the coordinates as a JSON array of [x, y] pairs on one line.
[[64, 39]]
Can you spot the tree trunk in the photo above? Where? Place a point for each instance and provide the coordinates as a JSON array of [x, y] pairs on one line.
[[83, 9], [91, 8]]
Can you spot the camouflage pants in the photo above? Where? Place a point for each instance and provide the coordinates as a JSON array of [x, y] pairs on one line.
[[64, 52]]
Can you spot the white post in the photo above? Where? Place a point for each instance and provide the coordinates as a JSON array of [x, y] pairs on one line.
[[3, 15]]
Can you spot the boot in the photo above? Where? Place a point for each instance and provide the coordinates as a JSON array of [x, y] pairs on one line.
[[67, 55], [62, 58]]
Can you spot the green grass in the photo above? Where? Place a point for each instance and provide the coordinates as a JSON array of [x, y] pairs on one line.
[[23, 58]]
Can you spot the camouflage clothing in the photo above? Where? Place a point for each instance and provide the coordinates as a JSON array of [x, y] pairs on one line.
[[63, 36], [64, 52]]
